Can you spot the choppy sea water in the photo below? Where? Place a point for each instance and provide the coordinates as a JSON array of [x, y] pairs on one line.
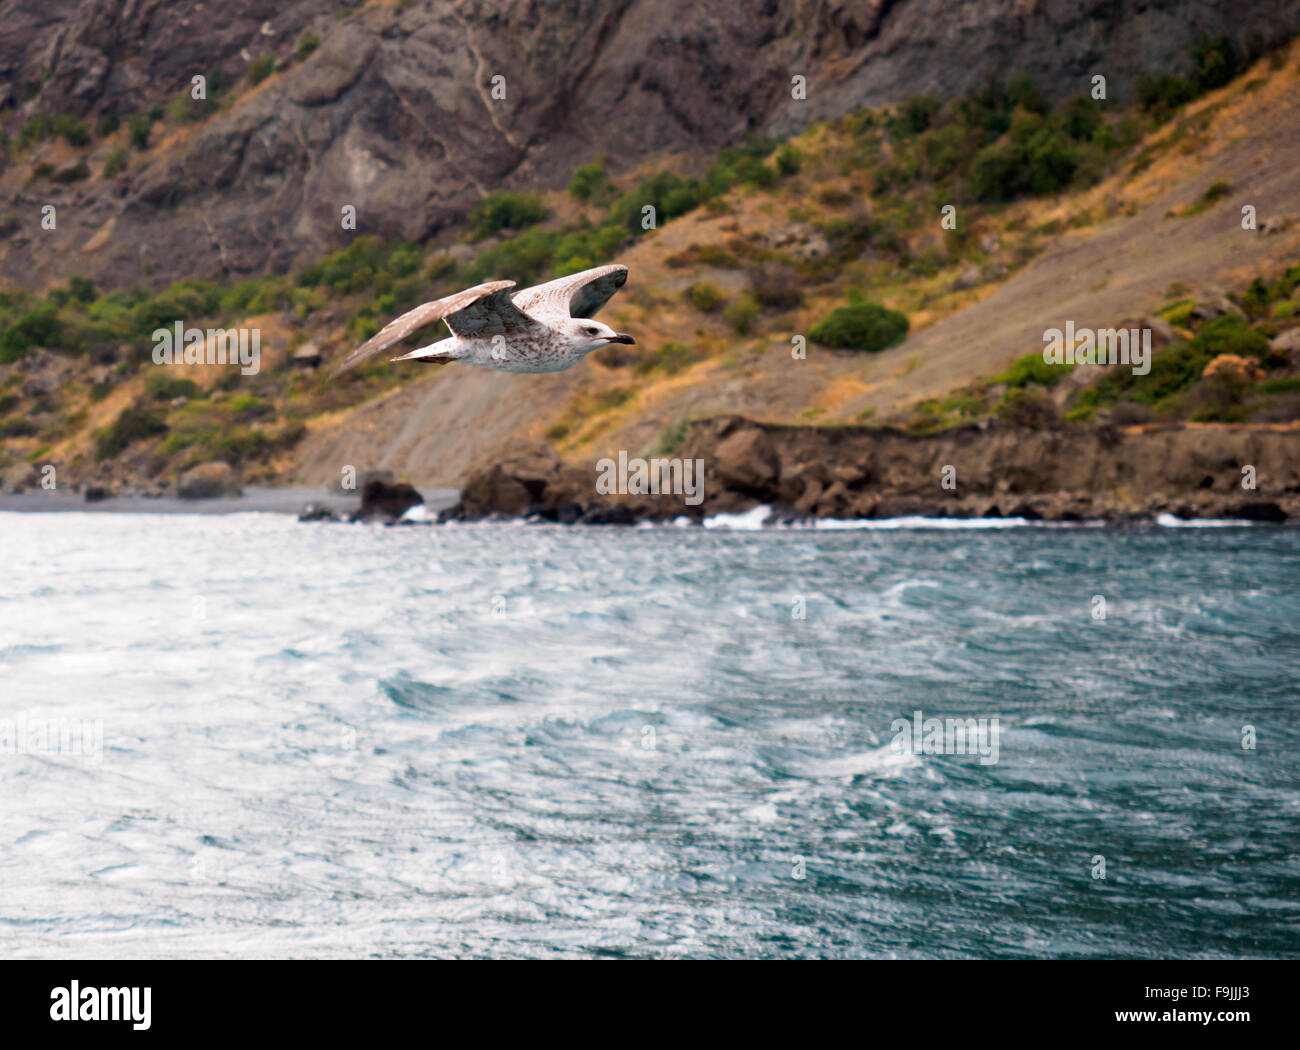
[[508, 740]]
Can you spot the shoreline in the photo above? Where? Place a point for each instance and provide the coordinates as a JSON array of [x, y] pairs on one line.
[[253, 500]]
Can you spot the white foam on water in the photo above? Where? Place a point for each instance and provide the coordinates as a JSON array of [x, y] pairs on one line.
[[749, 520], [419, 512], [1172, 521], [917, 522]]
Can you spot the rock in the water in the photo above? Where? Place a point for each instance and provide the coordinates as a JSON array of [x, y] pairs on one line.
[[609, 514], [1261, 510], [95, 493], [208, 481], [317, 512], [386, 500]]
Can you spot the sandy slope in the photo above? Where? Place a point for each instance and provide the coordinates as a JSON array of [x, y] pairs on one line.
[[437, 427]]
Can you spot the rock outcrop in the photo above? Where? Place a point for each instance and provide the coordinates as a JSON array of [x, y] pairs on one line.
[[383, 500], [988, 470]]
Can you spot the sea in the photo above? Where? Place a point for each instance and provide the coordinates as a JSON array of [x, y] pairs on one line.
[[244, 736]]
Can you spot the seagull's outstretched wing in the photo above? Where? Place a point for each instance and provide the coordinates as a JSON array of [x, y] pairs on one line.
[[578, 295], [484, 310]]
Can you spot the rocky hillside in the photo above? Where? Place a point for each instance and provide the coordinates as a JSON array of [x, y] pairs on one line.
[[389, 106], [1115, 212]]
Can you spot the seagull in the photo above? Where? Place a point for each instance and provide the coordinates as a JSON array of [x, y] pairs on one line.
[[546, 328]]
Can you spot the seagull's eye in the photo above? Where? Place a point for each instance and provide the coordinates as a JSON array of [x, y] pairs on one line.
[[589, 331]]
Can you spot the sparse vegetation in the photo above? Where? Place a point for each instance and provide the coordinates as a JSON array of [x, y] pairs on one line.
[[260, 68], [308, 42], [505, 210]]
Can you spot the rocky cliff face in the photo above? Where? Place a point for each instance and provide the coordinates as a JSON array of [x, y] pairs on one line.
[[1188, 470], [394, 114]]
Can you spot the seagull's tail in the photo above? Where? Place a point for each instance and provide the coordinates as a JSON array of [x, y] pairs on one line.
[[442, 352]]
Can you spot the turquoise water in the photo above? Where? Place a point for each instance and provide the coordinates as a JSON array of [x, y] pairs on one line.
[[507, 740]]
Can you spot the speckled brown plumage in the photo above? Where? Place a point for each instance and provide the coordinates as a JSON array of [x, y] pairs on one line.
[[545, 328]]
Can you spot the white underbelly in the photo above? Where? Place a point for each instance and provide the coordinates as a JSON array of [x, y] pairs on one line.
[[486, 354]]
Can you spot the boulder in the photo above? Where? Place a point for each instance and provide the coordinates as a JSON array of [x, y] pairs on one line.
[[386, 500], [968, 278], [208, 481], [308, 356], [609, 514], [317, 512], [746, 460], [1286, 342], [1162, 332], [339, 63], [521, 482], [38, 386], [1213, 307], [1260, 510]]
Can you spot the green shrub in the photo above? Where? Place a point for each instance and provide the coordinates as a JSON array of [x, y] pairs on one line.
[[37, 128], [1167, 91], [132, 424], [916, 113], [862, 326], [1032, 369], [307, 43], [38, 326], [1215, 62], [138, 130], [115, 163], [1028, 408], [505, 209], [1176, 368], [789, 160], [240, 443], [1281, 385], [74, 131], [705, 296], [589, 181], [1081, 118], [741, 313], [260, 68], [163, 385], [943, 150], [670, 359]]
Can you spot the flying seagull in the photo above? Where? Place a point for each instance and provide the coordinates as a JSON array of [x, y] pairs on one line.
[[546, 328]]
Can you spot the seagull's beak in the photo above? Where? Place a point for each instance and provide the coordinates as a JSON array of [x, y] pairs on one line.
[[620, 338]]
